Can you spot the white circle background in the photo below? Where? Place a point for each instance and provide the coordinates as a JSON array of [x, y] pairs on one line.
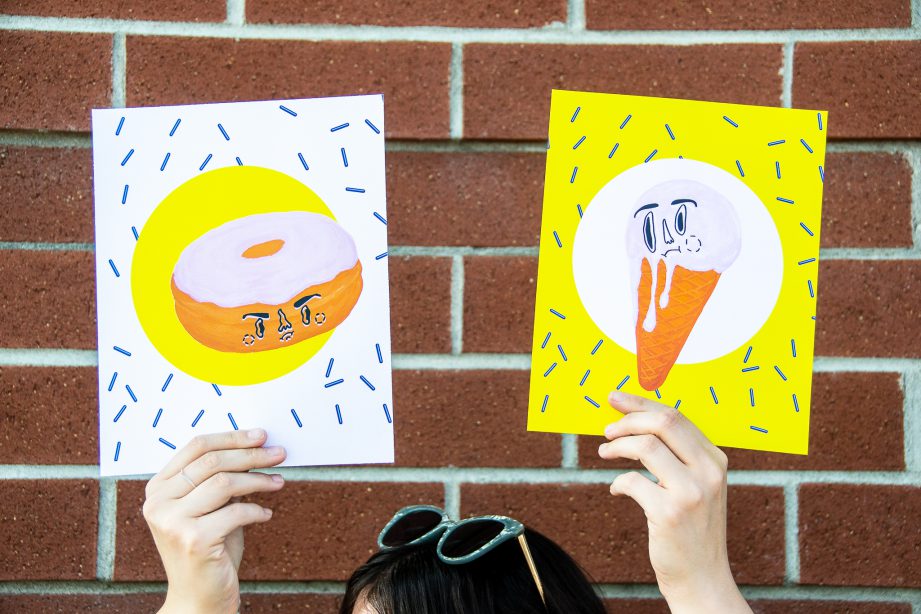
[[745, 294]]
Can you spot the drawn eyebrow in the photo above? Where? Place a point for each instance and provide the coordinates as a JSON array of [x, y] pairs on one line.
[[304, 299], [649, 206], [255, 315], [684, 200]]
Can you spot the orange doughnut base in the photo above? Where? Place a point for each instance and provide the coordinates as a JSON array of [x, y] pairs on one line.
[[260, 326]]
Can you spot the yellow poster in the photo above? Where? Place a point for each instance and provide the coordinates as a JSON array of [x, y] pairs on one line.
[[679, 255]]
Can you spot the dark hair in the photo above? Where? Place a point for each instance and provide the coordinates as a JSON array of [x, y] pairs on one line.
[[412, 579]]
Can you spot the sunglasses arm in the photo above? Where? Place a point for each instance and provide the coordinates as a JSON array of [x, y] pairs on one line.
[[527, 557]]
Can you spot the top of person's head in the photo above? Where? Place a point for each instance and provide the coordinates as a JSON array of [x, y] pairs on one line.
[[412, 579]]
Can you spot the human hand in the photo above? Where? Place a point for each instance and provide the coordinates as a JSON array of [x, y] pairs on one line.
[[685, 510], [197, 521]]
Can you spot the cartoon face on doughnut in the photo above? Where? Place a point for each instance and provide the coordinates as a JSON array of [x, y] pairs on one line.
[[266, 281]]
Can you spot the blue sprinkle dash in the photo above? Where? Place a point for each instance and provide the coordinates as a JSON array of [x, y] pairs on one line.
[[579, 142], [216, 389], [546, 339], [157, 418], [739, 166], [749, 369], [175, 126], [239, 161], [233, 422], [387, 414], [592, 401], [121, 351], [381, 256], [339, 411], [125, 194], [758, 428], [806, 145], [806, 228], [198, 417], [623, 381], [118, 449], [114, 269], [339, 127], [575, 115], [793, 347], [584, 377], [205, 163], [748, 354], [597, 345], [300, 157], [167, 444], [367, 383], [780, 373], [562, 353], [287, 110], [658, 394], [626, 119], [551, 368], [333, 383], [345, 158], [355, 190], [380, 357], [372, 126], [713, 394], [558, 314], [297, 419], [127, 156], [165, 160], [134, 231], [734, 125], [579, 209], [120, 412], [121, 123], [613, 150], [380, 217], [821, 173], [777, 168], [819, 116], [112, 381], [131, 393], [670, 133], [329, 367], [811, 289], [166, 383], [575, 170], [650, 156], [751, 396], [224, 132], [557, 237], [678, 404], [785, 200], [780, 142], [795, 403], [806, 261], [543, 407]]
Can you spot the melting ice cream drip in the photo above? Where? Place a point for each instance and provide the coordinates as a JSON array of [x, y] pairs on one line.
[[699, 232]]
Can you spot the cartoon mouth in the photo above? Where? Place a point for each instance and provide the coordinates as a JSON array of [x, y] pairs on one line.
[[668, 251]]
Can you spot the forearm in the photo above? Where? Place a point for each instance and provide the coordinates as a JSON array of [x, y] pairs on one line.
[[711, 594]]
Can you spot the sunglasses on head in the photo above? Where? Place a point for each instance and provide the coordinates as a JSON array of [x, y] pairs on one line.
[[458, 542]]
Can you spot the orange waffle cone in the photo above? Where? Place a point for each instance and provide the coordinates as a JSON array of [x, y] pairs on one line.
[[657, 351]]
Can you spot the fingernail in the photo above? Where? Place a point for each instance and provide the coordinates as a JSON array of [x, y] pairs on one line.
[[255, 434], [275, 451], [600, 448], [609, 430], [616, 397], [277, 478], [267, 511]]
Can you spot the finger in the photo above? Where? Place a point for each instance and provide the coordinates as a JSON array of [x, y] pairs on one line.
[[217, 461], [644, 491], [649, 450], [229, 518], [206, 443], [220, 488], [669, 425], [630, 403]]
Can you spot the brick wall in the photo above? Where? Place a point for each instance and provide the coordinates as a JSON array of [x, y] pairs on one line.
[[467, 91]]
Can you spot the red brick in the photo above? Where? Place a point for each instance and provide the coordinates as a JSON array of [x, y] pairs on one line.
[[499, 303], [507, 87], [50, 80], [867, 201], [262, 603], [412, 76], [47, 195], [420, 304], [829, 607], [49, 299], [860, 535], [870, 89], [476, 199], [608, 535], [467, 13], [746, 15], [636, 606], [95, 604], [868, 308], [486, 428], [48, 415], [319, 531], [855, 425], [49, 529], [169, 10]]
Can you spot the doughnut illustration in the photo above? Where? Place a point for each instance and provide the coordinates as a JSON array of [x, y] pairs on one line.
[[266, 281], [683, 235]]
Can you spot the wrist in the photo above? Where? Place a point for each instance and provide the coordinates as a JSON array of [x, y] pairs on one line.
[[713, 592], [177, 603]]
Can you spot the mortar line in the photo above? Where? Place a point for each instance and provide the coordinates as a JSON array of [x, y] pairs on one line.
[[786, 72], [570, 451], [550, 34], [914, 160], [575, 15], [456, 91], [236, 12], [457, 304], [119, 54], [105, 538], [791, 534], [916, 24], [911, 385], [453, 499]]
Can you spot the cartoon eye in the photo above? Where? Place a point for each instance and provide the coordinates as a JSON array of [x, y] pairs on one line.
[[681, 219], [649, 232]]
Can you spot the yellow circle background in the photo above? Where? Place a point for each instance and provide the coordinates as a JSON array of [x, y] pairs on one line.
[[195, 207]]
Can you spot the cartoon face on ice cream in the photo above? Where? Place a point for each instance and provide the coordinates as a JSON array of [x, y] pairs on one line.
[[682, 236]]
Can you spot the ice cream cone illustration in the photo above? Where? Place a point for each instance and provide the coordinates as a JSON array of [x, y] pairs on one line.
[[683, 236]]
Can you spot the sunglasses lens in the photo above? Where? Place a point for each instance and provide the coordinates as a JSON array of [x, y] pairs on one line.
[[470, 536], [410, 527]]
